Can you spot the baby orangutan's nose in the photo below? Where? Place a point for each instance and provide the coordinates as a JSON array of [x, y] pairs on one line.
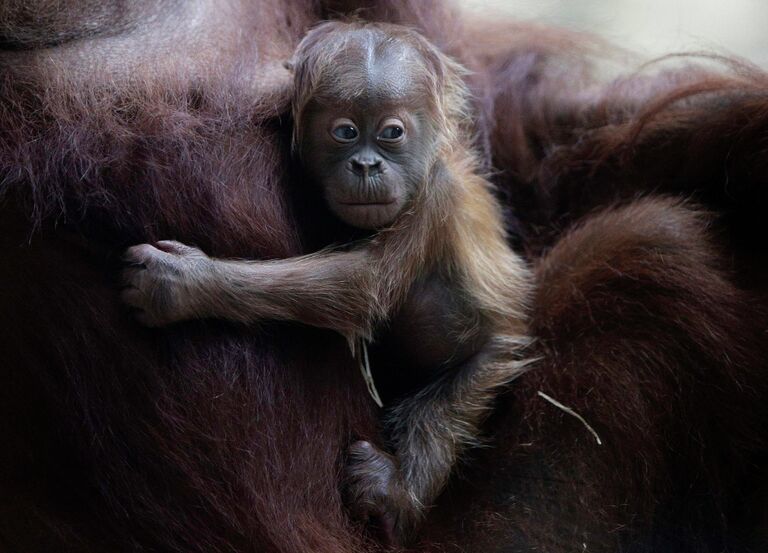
[[366, 166]]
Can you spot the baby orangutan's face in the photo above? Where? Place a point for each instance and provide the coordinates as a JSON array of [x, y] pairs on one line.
[[370, 154]]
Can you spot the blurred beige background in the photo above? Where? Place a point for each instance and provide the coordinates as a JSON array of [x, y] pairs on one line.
[[654, 27]]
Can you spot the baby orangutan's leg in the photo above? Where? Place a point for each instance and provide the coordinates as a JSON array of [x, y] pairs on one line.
[[429, 431]]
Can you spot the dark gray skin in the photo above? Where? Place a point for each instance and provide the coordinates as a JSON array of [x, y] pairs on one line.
[[368, 155], [366, 179]]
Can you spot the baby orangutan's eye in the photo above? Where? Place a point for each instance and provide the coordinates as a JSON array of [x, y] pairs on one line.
[[392, 133], [346, 132]]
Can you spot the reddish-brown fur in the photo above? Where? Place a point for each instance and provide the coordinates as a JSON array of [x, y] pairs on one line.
[[213, 437]]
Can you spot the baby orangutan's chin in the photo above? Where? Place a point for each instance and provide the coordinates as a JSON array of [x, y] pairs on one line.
[[367, 215]]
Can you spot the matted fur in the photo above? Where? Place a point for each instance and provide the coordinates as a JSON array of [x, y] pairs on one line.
[[209, 437]]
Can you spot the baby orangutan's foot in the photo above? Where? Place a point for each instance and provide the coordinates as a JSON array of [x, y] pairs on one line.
[[375, 493]]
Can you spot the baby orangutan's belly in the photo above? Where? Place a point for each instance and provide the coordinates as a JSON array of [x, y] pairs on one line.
[[434, 331]]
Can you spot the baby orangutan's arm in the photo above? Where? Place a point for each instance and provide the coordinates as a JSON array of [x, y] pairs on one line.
[[172, 282]]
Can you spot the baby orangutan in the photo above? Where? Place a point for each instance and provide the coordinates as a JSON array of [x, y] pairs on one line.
[[379, 125]]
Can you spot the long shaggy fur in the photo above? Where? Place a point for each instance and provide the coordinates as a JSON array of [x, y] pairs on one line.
[[650, 311]]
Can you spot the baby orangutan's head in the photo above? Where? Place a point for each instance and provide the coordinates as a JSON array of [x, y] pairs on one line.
[[370, 115]]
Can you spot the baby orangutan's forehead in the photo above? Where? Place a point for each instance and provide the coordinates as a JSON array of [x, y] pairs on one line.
[[375, 74]]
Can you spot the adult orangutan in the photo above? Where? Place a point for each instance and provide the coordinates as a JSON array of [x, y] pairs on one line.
[[127, 124]]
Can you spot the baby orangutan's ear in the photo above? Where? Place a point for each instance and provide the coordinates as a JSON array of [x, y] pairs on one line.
[[289, 65]]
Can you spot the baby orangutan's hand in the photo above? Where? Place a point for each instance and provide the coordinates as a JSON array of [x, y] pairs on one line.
[[165, 283]]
